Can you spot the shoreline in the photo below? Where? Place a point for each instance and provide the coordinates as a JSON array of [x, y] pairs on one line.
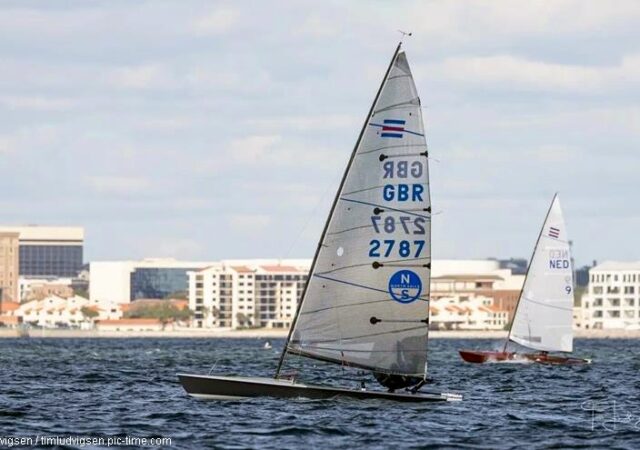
[[281, 334]]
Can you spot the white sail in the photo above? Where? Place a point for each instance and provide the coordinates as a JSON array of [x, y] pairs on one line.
[[544, 316], [366, 302]]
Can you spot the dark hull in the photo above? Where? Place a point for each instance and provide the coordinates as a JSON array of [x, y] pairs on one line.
[[480, 357], [236, 388]]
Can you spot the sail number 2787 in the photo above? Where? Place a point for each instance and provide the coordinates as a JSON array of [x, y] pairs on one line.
[[388, 247], [389, 224]]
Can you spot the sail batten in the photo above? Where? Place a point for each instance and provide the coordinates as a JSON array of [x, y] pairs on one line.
[[368, 291], [543, 318]]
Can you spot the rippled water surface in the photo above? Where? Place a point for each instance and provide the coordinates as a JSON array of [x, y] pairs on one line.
[[118, 387]]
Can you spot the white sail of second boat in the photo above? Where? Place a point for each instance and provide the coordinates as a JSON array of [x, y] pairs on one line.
[[544, 315]]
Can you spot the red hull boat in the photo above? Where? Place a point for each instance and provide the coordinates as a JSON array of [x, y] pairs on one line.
[[480, 357], [544, 358]]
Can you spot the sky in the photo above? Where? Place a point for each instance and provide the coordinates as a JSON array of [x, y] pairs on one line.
[[216, 130]]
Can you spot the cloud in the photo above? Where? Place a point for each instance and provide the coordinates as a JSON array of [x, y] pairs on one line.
[[141, 77], [37, 103], [249, 222], [326, 122], [216, 22], [478, 20], [120, 185], [511, 72], [254, 149]]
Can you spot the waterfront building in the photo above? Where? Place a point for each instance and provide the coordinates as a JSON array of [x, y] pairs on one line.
[[469, 313], [467, 294], [8, 318], [612, 300], [126, 281], [39, 288], [48, 251], [247, 293], [474, 283], [9, 265], [72, 312]]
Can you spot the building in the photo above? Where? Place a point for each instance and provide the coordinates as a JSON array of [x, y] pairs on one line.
[[48, 251], [612, 300], [475, 294], [251, 293], [125, 281], [38, 288], [7, 314], [466, 280], [9, 265], [71, 312], [472, 313]]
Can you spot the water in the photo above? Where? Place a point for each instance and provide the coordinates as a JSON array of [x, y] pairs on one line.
[[128, 387]]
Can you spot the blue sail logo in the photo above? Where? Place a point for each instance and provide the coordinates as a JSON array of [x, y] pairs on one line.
[[405, 286]]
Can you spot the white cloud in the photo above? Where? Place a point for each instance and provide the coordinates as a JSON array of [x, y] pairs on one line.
[[141, 77], [216, 22], [37, 103], [478, 20], [245, 223], [121, 185], [254, 149], [308, 123], [511, 71]]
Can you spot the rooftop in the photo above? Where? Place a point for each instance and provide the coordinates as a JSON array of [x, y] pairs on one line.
[[46, 233], [281, 269], [618, 265]]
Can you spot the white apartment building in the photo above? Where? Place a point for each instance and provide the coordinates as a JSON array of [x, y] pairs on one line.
[[55, 312], [247, 293], [613, 296], [469, 313]]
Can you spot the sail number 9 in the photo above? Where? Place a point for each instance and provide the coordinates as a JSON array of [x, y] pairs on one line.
[[389, 224], [404, 249]]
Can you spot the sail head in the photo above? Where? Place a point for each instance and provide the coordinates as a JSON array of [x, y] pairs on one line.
[[366, 302], [544, 317]]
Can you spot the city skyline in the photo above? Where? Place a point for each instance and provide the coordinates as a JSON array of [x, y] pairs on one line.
[[223, 134]]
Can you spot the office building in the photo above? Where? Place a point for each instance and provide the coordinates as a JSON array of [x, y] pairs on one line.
[[48, 251], [126, 281]]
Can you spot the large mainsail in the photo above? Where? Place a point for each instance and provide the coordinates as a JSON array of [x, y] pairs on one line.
[[366, 301], [544, 315]]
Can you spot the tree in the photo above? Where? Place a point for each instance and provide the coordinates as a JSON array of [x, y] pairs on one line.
[[165, 312], [89, 313]]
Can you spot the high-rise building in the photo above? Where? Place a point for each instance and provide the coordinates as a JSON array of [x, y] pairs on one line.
[[613, 296], [9, 266], [250, 293], [48, 251]]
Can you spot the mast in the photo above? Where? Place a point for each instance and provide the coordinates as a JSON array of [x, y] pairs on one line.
[[524, 283], [333, 207]]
